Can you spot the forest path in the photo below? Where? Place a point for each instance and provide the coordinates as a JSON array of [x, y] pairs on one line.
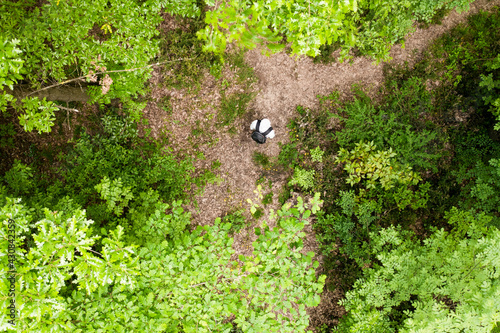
[[283, 83]]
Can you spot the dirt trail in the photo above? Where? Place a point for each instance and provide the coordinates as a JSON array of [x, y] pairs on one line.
[[283, 83]]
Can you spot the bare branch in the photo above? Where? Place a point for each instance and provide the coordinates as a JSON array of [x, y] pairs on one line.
[[65, 108], [106, 72]]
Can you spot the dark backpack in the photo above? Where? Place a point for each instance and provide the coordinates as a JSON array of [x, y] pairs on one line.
[[259, 137]]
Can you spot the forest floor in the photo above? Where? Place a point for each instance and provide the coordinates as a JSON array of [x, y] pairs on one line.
[[283, 83]]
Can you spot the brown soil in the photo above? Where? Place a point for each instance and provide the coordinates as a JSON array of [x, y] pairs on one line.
[[283, 83]]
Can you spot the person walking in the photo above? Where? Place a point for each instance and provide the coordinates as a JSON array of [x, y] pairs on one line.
[[261, 130]]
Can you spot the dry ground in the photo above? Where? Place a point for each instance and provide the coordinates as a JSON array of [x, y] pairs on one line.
[[283, 83]]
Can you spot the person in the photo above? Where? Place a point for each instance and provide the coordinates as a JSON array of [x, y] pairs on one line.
[[261, 130]]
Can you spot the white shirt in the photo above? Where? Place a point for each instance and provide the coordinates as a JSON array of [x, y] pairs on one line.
[[264, 126]]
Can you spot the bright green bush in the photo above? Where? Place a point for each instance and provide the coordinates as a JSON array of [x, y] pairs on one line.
[[371, 27], [317, 154], [303, 178], [448, 282], [381, 179], [115, 194], [186, 284], [11, 64], [61, 254]]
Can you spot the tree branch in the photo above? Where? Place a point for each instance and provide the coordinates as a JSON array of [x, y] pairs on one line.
[[65, 108], [106, 72]]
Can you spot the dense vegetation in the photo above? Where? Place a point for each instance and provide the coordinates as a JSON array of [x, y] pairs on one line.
[[409, 215]]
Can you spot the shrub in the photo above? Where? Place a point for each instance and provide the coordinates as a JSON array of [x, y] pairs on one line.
[[19, 178], [395, 124], [268, 199], [236, 219], [317, 154], [303, 178]]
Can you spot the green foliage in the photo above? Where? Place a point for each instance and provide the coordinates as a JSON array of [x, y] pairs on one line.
[[5, 99], [62, 40], [303, 178], [481, 188], [182, 43], [493, 87], [289, 156], [371, 27], [187, 284], [19, 178], [260, 159], [11, 64], [471, 60], [378, 172], [476, 171], [116, 195], [256, 209], [232, 107], [236, 220], [61, 252], [317, 154], [38, 114], [440, 107], [363, 162], [262, 180], [284, 195], [155, 220], [381, 185], [351, 226], [118, 177], [268, 199], [258, 213], [395, 123], [120, 153], [449, 281]]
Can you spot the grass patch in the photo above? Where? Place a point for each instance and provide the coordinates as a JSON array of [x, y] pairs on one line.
[[260, 159], [215, 165], [184, 44], [235, 105], [244, 72], [268, 199], [232, 107], [166, 104], [197, 130]]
